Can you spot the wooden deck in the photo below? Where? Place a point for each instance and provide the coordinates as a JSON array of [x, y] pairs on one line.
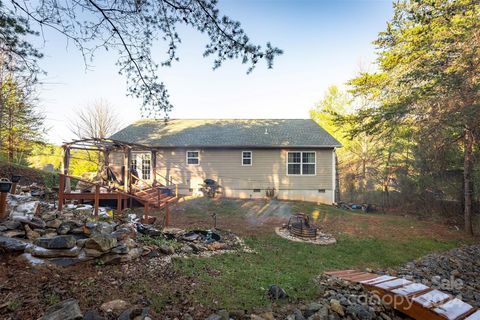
[[414, 299], [149, 197]]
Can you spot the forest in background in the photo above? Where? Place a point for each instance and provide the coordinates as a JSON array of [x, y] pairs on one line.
[[410, 129]]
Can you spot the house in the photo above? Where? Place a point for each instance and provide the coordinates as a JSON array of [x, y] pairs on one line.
[[294, 158]]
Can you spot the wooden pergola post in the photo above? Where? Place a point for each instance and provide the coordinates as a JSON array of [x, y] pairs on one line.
[[65, 166], [106, 161], [154, 166], [127, 175]]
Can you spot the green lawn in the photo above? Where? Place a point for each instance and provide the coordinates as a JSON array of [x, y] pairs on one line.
[[240, 281]]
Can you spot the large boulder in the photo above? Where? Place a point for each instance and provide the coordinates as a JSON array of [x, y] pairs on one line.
[[66, 310], [8, 244], [58, 242], [101, 242]]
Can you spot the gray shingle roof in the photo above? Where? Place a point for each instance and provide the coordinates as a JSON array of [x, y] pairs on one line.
[[227, 133]]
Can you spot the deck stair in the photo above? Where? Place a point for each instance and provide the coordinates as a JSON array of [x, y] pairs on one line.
[[414, 299], [151, 197]]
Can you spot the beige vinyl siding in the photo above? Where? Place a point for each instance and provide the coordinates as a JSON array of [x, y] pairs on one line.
[[268, 170], [225, 165]]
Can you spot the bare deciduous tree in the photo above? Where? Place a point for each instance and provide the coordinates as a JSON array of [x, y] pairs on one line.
[[97, 120]]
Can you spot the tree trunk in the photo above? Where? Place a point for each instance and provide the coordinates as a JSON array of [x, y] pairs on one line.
[[468, 178]]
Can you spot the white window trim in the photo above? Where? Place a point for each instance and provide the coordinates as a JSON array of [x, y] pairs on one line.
[[301, 164], [251, 159], [186, 158]]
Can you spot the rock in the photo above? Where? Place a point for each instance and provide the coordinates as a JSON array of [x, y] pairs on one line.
[[92, 315], [11, 224], [360, 312], [14, 233], [34, 222], [276, 292], [8, 244], [30, 234], [237, 314], [114, 306], [321, 314], [81, 242], [93, 253], [125, 231], [314, 307], [166, 249], [148, 230], [31, 260], [214, 317], [134, 314], [298, 314], [54, 253], [337, 307], [187, 249], [65, 227], [58, 242], [217, 246], [55, 224], [121, 249], [113, 258], [101, 243], [268, 315], [103, 228], [66, 310], [25, 209], [255, 317], [224, 315]]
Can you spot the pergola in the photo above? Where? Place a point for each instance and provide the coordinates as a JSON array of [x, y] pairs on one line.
[[106, 146], [149, 196]]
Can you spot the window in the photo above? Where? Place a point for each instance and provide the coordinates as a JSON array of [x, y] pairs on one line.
[[301, 163], [193, 157], [146, 163], [246, 158], [141, 165]]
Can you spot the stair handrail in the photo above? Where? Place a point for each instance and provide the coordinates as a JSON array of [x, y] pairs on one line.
[[170, 180]]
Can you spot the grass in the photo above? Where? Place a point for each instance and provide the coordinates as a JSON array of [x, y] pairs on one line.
[[243, 279], [240, 281]]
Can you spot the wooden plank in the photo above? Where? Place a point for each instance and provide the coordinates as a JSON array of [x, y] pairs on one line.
[[431, 298], [393, 284], [91, 196], [365, 276], [414, 299], [377, 280], [338, 272], [453, 309], [474, 316], [410, 289]]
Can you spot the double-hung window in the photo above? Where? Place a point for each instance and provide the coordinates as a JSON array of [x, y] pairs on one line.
[[301, 163], [247, 158], [193, 158]]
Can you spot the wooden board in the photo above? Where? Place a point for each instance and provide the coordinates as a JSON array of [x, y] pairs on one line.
[[414, 299]]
